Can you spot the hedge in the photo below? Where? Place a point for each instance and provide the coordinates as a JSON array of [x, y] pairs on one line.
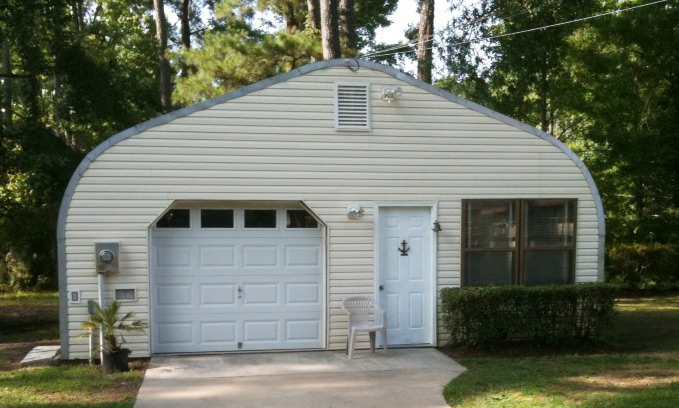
[[539, 314], [643, 265]]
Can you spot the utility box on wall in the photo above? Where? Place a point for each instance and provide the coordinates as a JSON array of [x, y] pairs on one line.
[[107, 257]]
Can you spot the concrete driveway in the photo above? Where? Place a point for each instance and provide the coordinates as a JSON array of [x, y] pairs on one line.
[[395, 378]]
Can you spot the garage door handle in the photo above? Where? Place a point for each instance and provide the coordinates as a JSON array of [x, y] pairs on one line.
[[240, 292]]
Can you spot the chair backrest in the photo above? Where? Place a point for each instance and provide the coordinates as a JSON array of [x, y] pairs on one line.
[[359, 308]]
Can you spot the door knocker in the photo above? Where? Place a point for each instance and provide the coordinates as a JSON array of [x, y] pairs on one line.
[[404, 248]]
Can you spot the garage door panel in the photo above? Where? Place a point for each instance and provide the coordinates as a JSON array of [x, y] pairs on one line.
[[215, 295], [258, 256], [174, 295], [217, 256], [221, 333], [303, 256]]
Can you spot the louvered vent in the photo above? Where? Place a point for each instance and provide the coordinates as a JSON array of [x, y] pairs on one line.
[[352, 106]]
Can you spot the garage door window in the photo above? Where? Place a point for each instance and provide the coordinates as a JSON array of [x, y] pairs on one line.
[[260, 218], [175, 219], [300, 219], [216, 218]]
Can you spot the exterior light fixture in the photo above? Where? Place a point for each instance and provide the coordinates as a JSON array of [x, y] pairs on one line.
[[437, 227], [354, 211], [390, 93]]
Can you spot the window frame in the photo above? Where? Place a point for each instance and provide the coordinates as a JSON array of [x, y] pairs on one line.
[[277, 219], [233, 219], [520, 248], [285, 219], [191, 220]]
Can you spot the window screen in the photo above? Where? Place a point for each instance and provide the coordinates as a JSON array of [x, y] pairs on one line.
[[491, 224], [485, 268], [300, 219], [260, 218], [175, 219], [216, 218], [530, 242]]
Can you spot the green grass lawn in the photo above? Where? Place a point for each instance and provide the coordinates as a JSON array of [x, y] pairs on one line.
[[29, 319], [636, 365]]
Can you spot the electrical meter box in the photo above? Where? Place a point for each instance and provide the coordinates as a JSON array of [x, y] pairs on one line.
[[107, 257]]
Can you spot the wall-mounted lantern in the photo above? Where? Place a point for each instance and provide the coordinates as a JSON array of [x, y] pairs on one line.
[[354, 211]]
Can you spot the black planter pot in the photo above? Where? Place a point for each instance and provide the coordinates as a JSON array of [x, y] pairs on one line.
[[116, 361]]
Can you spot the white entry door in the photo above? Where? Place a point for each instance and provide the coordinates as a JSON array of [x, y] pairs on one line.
[[405, 277]]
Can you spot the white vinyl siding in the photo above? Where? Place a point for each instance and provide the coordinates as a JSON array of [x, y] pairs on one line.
[[280, 144]]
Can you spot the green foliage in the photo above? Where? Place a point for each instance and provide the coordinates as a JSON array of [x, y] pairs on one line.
[[113, 324], [607, 87], [238, 56], [36, 169], [641, 265], [539, 314]]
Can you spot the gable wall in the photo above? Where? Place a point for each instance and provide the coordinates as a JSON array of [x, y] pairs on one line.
[[279, 143]]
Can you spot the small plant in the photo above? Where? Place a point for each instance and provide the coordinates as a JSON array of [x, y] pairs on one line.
[[113, 324]]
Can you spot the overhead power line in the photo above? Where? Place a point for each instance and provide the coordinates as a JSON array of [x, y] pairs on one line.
[[383, 54]]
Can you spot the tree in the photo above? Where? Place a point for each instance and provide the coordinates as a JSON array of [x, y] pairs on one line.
[[78, 75], [425, 41], [314, 10], [330, 42], [163, 63], [184, 8], [607, 87], [347, 24]]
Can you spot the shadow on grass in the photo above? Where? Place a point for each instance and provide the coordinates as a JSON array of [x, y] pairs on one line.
[[69, 386], [588, 381], [635, 364]]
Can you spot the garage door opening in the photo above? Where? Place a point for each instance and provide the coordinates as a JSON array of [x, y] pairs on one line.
[[237, 276]]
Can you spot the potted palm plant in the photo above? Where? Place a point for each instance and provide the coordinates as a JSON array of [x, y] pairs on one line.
[[112, 325]]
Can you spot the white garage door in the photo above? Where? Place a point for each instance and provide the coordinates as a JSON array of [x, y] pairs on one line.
[[226, 279]]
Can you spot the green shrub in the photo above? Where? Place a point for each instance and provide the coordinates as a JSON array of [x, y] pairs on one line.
[[643, 265], [540, 314]]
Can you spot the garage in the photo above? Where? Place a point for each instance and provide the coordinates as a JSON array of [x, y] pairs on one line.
[[236, 277]]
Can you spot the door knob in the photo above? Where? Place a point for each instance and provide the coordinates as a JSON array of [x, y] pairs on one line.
[[381, 287]]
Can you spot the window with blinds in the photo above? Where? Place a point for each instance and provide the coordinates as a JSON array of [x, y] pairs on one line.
[[352, 106], [524, 242]]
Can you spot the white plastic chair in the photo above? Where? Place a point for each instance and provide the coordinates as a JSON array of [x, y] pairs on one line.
[[360, 308]]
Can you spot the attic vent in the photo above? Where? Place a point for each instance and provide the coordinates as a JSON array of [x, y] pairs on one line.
[[352, 106]]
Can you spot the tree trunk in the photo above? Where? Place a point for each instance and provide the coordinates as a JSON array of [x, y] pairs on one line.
[[329, 29], [184, 9], [76, 15], [163, 63], [544, 105], [6, 103], [347, 23], [314, 14], [425, 41]]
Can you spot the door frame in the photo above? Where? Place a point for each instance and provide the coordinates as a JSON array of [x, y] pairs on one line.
[[433, 211]]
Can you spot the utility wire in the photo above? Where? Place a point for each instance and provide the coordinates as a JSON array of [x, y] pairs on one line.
[[382, 54], [429, 38]]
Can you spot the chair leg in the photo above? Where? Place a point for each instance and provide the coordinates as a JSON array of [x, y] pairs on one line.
[[352, 343], [384, 337], [372, 341]]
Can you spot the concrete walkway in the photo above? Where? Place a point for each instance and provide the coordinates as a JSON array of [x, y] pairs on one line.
[[319, 379]]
